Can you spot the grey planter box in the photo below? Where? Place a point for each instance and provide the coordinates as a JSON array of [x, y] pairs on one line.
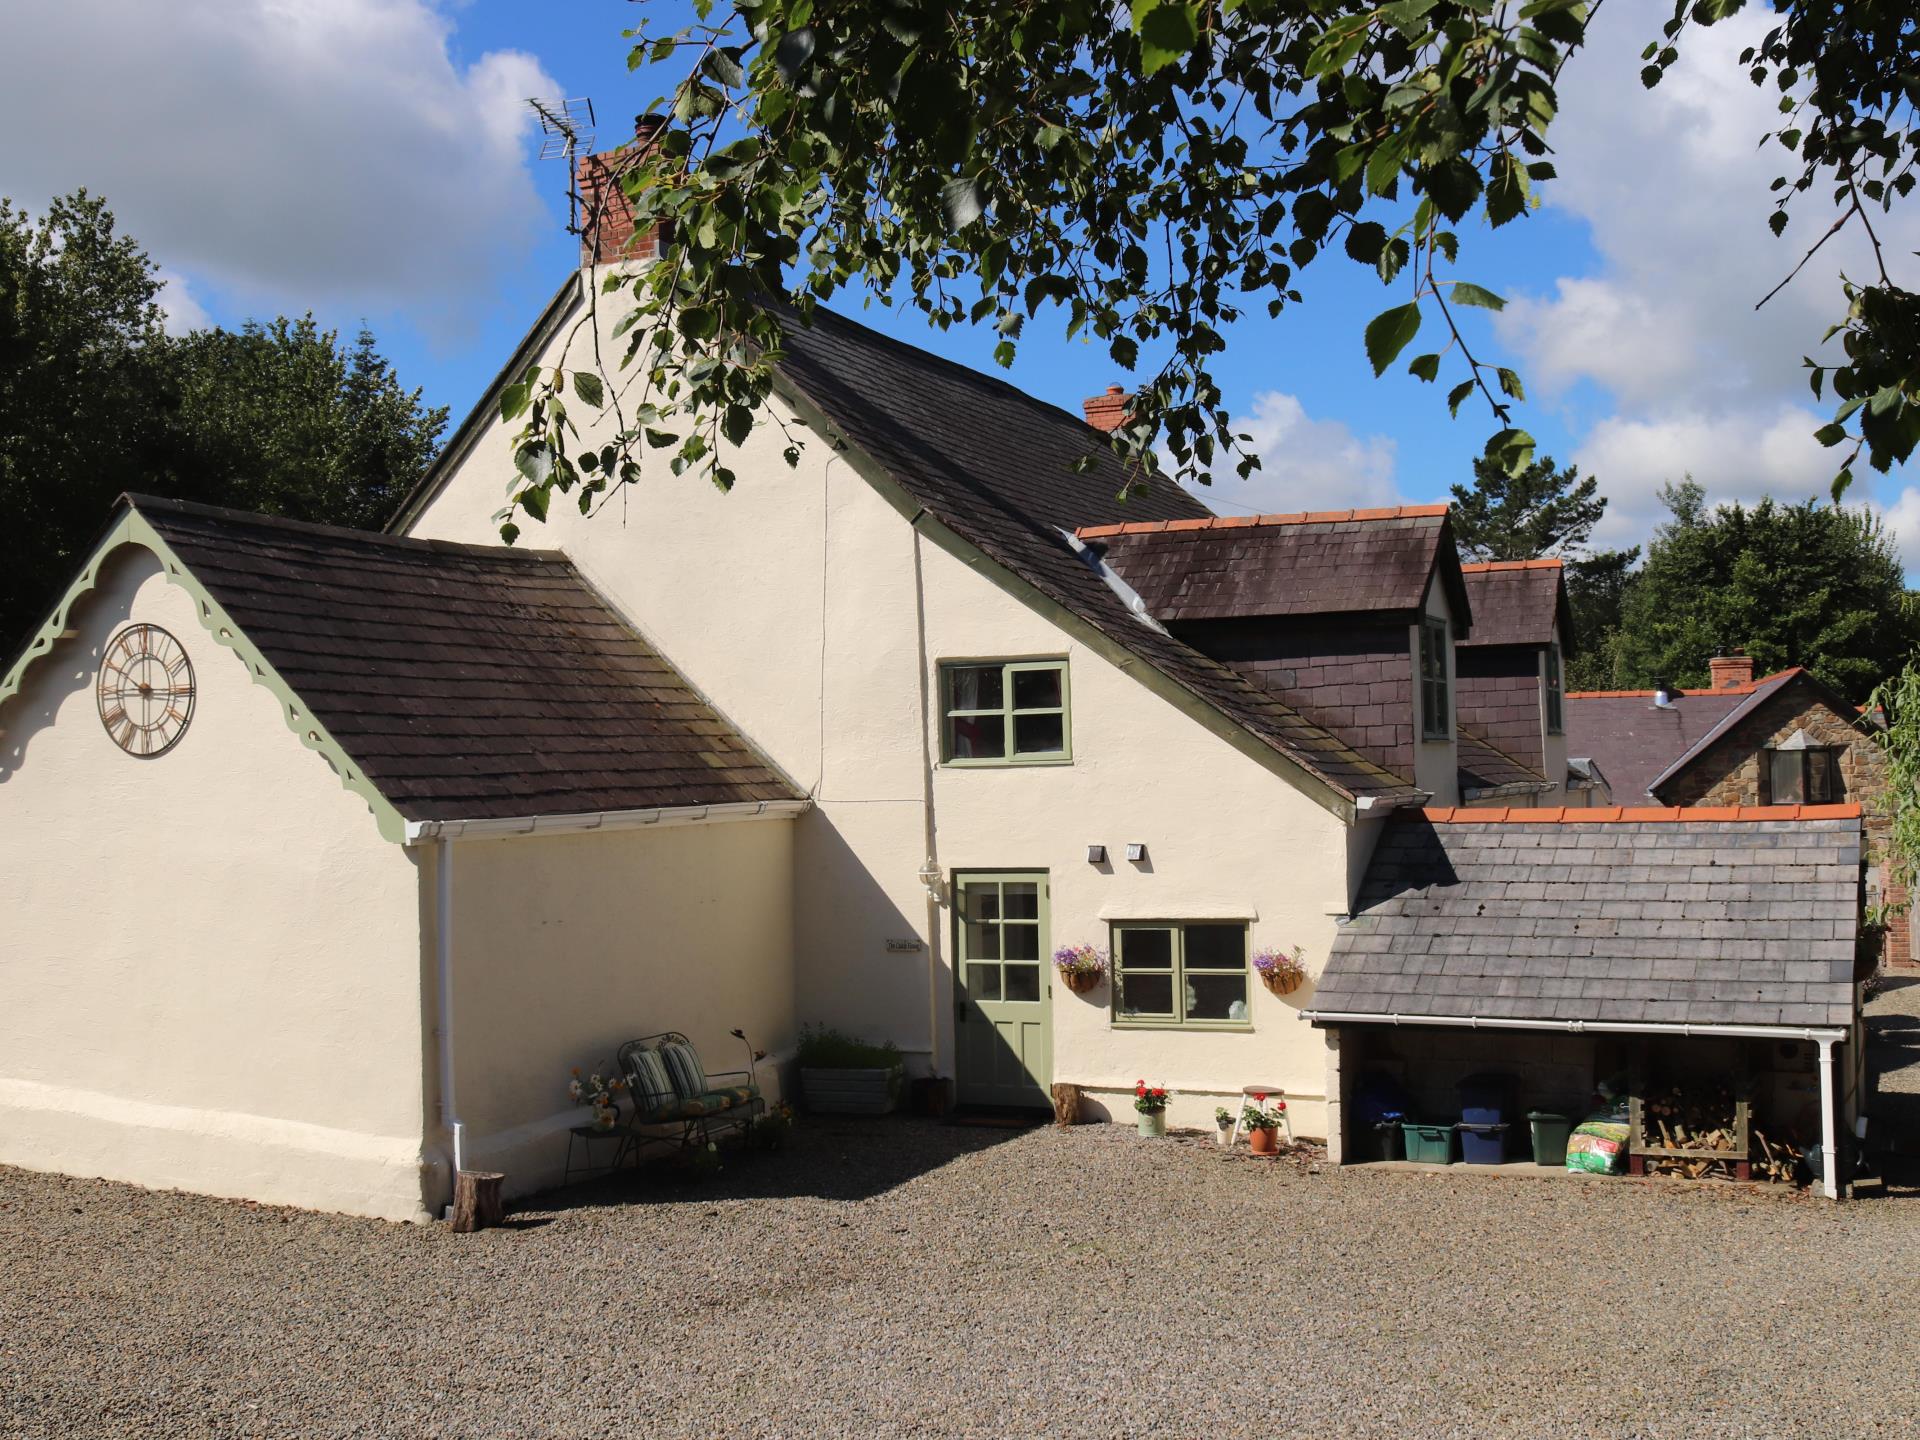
[[851, 1092]]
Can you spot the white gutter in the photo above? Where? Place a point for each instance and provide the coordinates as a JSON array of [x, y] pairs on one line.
[[443, 964], [1580, 1027], [495, 827], [1825, 1038]]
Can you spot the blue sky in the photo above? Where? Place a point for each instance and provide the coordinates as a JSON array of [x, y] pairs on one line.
[[373, 160]]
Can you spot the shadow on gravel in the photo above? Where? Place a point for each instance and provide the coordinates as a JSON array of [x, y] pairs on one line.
[[826, 1158]]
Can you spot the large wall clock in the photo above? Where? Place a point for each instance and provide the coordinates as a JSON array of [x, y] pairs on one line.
[[145, 691]]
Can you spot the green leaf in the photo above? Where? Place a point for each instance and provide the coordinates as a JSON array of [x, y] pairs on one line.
[[724, 68], [1365, 241], [1830, 435], [509, 533], [1467, 293], [962, 201], [1167, 32], [534, 502], [1388, 333], [1427, 367], [736, 423], [1511, 450], [587, 386], [513, 401], [535, 462], [1456, 395]]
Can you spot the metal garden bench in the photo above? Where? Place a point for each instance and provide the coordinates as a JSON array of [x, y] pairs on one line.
[[668, 1088]]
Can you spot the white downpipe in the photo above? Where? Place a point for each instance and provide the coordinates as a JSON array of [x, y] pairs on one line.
[[1580, 1027], [443, 963], [1829, 1155]]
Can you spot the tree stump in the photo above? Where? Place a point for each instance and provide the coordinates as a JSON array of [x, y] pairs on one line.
[[476, 1200], [1066, 1105]]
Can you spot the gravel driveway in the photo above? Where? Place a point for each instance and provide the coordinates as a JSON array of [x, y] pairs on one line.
[[901, 1278]]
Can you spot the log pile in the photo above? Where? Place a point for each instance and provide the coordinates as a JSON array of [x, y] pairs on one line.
[[1777, 1160], [1703, 1120]]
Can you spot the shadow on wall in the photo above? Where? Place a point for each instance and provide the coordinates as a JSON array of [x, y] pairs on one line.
[[826, 1158], [844, 917], [70, 666]]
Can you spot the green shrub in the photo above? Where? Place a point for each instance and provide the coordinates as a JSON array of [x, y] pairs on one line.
[[823, 1048]]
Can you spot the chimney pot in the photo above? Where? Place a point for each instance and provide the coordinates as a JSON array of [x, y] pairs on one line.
[[1731, 671], [1107, 411]]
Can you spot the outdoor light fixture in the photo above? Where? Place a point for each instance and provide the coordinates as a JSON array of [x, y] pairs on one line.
[[1136, 852], [929, 876], [1096, 854]]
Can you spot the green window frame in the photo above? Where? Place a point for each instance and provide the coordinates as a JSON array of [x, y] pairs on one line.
[[1005, 712], [1556, 693], [1436, 701], [1181, 974]]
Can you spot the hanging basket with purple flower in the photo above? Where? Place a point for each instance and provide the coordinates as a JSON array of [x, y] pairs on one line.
[[1081, 967], [1281, 970]]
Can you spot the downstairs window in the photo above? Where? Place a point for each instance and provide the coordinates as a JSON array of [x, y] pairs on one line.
[[1180, 973]]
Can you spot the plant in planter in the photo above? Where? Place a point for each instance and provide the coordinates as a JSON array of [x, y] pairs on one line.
[[1263, 1125], [1223, 1126], [1280, 970], [840, 1075], [599, 1091], [1151, 1103], [1081, 967], [770, 1130]]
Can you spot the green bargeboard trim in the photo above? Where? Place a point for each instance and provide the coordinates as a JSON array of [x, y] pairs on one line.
[[132, 529], [1011, 760], [1321, 792]]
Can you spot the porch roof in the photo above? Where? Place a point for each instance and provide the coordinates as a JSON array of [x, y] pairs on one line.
[[1658, 917]]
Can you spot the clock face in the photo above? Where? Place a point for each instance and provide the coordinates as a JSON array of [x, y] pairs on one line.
[[145, 691]]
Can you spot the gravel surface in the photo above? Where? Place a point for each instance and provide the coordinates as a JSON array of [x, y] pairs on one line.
[[903, 1278]]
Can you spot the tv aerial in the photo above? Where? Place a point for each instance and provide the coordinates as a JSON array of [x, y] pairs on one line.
[[566, 130]]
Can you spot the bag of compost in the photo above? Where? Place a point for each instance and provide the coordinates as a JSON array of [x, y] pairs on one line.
[[1598, 1146]]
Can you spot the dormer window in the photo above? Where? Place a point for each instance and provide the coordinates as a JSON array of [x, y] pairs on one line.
[[1556, 708], [1800, 774], [1005, 712], [1436, 702]]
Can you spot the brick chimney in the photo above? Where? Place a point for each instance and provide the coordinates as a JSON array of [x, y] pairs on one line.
[[1108, 411], [1731, 671], [603, 216]]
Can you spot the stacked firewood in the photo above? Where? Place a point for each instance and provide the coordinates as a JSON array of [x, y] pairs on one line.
[[1776, 1160], [1695, 1119]]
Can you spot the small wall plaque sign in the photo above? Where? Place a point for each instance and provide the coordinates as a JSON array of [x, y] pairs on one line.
[[903, 947]]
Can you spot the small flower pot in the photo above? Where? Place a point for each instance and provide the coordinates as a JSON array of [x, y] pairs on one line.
[[1152, 1123], [1080, 981], [1282, 984], [1265, 1141], [1223, 1137]]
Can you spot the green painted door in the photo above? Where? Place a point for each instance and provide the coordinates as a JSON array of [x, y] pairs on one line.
[[1003, 1030]]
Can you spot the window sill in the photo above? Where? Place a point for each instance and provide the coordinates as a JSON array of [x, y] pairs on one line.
[[1049, 763], [1205, 1027]]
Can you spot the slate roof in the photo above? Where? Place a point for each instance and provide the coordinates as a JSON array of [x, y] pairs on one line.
[[467, 681], [1516, 602], [996, 466], [1637, 743], [1485, 767], [1742, 917], [1321, 563]]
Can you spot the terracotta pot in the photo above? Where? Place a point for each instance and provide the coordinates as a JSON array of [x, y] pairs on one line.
[[1081, 981], [1152, 1122], [1283, 984], [1264, 1142]]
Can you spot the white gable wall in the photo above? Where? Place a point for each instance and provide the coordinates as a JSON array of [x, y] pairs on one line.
[[210, 964], [791, 603]]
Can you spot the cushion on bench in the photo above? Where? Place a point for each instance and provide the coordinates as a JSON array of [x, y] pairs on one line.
[[712, 1102], [648, 1081], [683, 1067]]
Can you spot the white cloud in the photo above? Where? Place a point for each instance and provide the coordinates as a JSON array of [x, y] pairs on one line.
[[291, 152], [179, 310], [1903, 521], [1742, 455], [1305, 464]]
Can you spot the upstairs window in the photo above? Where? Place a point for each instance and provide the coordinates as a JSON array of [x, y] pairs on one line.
[[1011, 712], [1809, 776], [1556, 723], [1173, 973], [1436, 704]]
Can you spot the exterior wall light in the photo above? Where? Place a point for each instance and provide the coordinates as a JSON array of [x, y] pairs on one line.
[[1136, 852], [1096, 854]]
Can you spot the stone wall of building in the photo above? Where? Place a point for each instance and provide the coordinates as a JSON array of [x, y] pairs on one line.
[[1729, 774]]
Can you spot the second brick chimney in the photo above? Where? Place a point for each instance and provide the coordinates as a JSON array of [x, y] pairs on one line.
[[604, 216], [1731, 671], [1108, 411]]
